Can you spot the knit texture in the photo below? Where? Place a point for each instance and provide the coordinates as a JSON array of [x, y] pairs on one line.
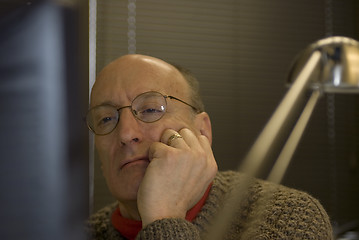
[[268, 211]]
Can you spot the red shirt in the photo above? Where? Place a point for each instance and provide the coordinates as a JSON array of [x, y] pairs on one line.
[[129, 228]]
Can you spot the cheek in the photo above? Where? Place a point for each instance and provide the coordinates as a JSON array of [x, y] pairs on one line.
[[105, 144], [153, 131], [175, 122], [104, 150], [103, 158]]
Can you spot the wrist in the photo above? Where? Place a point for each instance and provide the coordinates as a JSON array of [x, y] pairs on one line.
[[158, 215]]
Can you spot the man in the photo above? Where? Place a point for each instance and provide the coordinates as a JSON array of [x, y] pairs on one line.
[[154, 142]]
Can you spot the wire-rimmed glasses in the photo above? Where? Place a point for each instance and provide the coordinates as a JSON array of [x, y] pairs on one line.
[[147, 107]]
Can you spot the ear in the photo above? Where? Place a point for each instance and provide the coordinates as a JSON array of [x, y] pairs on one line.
[[203, 124]]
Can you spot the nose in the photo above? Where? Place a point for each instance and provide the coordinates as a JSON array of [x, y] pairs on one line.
[[128, 129]]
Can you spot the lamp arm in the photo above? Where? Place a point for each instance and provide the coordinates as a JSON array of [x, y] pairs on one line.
[[274, 128], [280, 167]]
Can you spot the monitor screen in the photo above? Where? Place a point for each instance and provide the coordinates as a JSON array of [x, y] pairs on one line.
[[41, 141]]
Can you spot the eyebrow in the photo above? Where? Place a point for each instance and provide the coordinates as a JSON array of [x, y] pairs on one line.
[[117, 106], [106, 103]]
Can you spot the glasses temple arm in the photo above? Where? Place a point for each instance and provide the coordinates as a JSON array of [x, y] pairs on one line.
[[194, 108]]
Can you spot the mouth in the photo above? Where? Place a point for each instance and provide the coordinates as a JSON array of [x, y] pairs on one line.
[[139, 160]]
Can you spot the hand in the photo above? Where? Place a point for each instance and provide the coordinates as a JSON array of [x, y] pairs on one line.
[[177, 176]]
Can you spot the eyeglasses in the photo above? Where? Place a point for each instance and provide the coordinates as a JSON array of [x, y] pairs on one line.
[[147, 107]]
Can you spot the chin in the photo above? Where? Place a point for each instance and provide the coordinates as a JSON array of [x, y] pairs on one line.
[[125, 186]]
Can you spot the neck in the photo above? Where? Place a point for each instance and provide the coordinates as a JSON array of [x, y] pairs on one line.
[[129, 210]]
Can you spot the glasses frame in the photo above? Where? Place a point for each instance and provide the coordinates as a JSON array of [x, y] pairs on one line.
[[133, 111]]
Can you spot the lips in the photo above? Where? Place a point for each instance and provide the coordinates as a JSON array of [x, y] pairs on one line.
[[134, 160]]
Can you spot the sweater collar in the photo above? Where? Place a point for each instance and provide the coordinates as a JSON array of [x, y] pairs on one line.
[[129, 228]]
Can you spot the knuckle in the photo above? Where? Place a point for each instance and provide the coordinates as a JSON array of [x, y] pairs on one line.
[[166, 134], [184, 131]]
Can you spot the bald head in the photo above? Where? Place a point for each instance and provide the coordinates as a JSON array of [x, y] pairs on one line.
[[133, 61], [131, 68], [135, 74]]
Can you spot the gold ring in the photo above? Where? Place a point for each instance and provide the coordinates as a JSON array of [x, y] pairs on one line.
[[173, 137]]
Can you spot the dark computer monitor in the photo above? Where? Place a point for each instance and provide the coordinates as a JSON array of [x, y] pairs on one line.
[[43, 152]]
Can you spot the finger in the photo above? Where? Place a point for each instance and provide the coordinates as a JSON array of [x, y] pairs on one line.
[[212, 164], [205, 144], [172, 138], [156, 150], [190, 138]]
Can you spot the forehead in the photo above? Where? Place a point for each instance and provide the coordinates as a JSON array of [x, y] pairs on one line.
[[125, 78]]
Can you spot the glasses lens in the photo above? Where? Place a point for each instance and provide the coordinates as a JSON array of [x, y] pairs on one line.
[[102, 119], [149, 107]]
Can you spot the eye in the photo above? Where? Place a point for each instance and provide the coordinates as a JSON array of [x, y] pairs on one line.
[[150, 113], [151, 110], [105, 120]]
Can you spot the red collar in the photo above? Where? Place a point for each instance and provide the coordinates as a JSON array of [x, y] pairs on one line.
[[129, 228]]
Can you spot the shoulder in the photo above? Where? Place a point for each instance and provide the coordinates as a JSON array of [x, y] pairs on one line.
[[99, 224], [278, 211], [103, 215]]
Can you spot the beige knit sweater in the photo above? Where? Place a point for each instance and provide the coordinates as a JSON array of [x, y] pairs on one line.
[[269, 212]]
